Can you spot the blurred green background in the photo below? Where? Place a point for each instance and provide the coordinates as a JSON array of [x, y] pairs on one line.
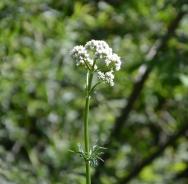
[[142, 120]]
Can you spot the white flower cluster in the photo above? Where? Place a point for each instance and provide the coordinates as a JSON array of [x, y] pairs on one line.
[[107, 77], [100, 50], [82, 57]]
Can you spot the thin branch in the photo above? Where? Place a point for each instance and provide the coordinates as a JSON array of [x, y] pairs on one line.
[[151, 56]]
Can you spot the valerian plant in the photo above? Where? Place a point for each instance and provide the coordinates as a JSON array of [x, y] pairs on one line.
[[103, 63]]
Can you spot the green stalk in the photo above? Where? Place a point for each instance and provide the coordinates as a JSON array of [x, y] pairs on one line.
[[86, 135], [86, 132], [89, 79]]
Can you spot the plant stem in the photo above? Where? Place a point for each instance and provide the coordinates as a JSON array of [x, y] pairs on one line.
[[86, 132]]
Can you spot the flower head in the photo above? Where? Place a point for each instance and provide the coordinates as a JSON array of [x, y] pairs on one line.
[[113, 61], [82, 57], [100, 48], [101, 51], [107, 77]]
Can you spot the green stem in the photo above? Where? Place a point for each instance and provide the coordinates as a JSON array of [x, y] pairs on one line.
[[86, 132]]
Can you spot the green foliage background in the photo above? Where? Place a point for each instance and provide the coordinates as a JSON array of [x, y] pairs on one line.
[[142, 120]]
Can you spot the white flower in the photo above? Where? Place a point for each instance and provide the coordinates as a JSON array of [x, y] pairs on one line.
[[101, 51], [96, 45], [99, 48], [78, 51], [82, 57], [113, 61], [106, 77]]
